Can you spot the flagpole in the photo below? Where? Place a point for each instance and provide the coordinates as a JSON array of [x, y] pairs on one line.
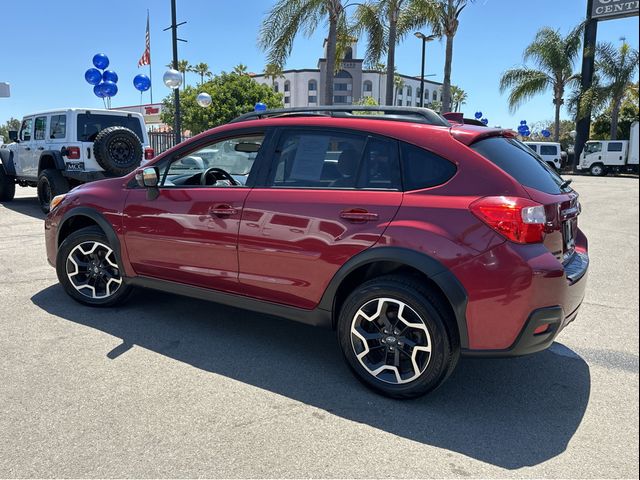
[[150, 79]]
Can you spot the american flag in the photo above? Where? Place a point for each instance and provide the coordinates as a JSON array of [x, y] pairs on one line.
[[146, 56]]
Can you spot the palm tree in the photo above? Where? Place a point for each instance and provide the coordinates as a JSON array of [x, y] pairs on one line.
[[398, 84], [385, 23], [272, 71], [458, 97], [446, 23], [554, 57], [201, 69], [240, 69], [288, 17], [617, 67]]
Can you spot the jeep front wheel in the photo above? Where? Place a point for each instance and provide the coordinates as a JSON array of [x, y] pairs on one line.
[[7, 186], [50, 183], [397, 338]]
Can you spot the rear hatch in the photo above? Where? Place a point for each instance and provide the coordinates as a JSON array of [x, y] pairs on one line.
[[543, 185]]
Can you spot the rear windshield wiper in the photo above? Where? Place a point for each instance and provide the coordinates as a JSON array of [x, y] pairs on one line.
[[565, 184]]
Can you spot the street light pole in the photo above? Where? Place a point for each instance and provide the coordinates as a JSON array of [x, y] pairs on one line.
[[176, 92], [424, 39]]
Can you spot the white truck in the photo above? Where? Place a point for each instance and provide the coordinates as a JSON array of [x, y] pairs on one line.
[[600, 157], [59, 149]]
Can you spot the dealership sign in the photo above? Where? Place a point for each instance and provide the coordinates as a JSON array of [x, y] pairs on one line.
[[607, 9]]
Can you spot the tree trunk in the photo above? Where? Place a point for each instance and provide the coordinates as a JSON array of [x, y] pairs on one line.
[[446, 86], [556, 127], [331, 59], [391, 59], [615, 112]]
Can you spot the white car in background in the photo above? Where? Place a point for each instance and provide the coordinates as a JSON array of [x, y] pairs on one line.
[[551, 152]]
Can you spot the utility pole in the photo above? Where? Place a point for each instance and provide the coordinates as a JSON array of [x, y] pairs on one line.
[[176, 91]]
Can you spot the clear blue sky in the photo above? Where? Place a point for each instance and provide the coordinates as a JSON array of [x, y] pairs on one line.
[[47, 47]]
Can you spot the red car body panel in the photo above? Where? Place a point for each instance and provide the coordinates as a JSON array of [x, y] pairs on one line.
[[286, 245]]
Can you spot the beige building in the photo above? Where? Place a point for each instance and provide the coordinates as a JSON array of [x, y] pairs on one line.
[[304, 87]]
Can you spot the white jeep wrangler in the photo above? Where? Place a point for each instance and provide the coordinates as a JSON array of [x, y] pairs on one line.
[[57, 150]]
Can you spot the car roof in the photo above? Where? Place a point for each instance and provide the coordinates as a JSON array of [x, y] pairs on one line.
[[82, 110]]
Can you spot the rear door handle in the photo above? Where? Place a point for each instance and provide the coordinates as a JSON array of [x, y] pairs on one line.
[[358, 215], [223, 210], [27, 148], [40, 148]]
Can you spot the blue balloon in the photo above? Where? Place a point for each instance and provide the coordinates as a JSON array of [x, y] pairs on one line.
[[546, 133], [478, 115], [98, 91], [141, 82], [93, 76], [523, 122], [260, 107], [101, 61], [522, 128], [109, 89], [526, 133], [485, 121], [110, 76]]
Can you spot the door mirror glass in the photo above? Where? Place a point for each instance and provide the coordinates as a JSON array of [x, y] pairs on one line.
[[147, 177], [13, 135]]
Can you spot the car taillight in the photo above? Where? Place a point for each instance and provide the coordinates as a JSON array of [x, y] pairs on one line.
[[73, 153], [518, 219], [149, 153]]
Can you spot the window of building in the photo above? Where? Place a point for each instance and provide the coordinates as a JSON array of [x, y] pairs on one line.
[[343, 74], [341, 87], [426, 94], [399, 102], [312, 86], [313, 99], [409, 91], [317, 160], [367, 86], [58, 128], [423, 169], [276, 87], [287, 86], [348, 54], [40, 128], [341, 99], [435, 96], [287, 100]]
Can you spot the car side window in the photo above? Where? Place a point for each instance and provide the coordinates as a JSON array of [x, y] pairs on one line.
[[58, 127], [25, 129], [314, 159], [548, 150], [423, 169], [614, 147], [40, 128], [380, 167], [226, 163], [593, 147]]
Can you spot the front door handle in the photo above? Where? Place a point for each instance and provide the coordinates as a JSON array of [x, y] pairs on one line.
[[40, 148], [223, 210], [27, 148], [358, 215]]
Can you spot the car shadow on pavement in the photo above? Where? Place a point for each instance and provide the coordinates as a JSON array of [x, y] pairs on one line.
[[510, 413], [25, 206]]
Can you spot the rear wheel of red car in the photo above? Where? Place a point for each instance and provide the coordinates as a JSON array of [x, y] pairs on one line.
[[88, 269], [397, 337]]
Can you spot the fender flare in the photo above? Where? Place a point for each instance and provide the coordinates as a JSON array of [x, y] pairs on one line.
[[57, 159], [6, 160], [432, 268], [102, 222]]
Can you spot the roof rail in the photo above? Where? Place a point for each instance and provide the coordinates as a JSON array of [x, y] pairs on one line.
[[401, 114]]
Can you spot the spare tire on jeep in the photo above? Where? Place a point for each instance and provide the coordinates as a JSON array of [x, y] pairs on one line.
[[118, 150]]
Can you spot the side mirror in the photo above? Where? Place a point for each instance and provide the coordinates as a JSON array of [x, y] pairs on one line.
[[148, 177], [13, 135]]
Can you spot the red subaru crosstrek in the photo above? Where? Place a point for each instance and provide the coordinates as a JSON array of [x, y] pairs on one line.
[[417, 240]]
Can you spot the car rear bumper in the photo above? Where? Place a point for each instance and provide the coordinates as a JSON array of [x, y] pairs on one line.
[[514, 291]]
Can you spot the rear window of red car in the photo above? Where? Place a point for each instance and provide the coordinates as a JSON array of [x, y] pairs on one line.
[[516, 159]]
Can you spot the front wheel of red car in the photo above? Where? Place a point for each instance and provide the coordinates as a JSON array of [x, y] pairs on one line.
[[397, 337], [88, 269]]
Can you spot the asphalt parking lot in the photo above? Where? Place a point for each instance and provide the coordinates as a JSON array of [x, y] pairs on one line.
[[173, 387]]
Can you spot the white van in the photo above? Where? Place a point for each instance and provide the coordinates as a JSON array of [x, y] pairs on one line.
[[551, 152]]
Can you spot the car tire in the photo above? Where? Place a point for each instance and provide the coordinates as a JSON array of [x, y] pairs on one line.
[[50, 183], [88, 269], [397, 337], [598, 170], [7, 186], [118, 150]]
